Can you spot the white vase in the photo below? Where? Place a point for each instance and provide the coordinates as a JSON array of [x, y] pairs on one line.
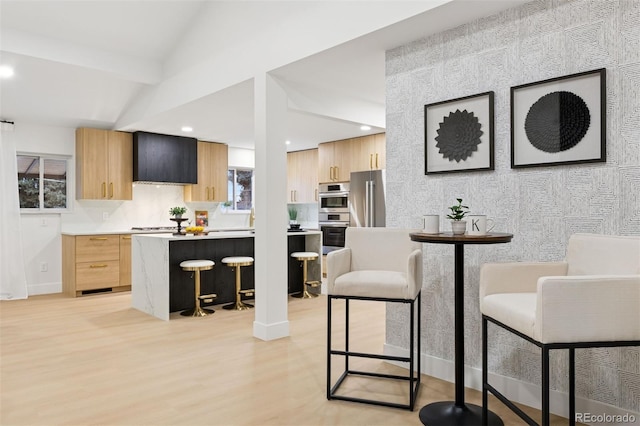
[[458, 227]]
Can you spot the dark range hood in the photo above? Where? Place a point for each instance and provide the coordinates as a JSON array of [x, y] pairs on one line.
[[164, 159]]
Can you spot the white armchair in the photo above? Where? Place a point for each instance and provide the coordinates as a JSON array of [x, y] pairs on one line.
[[376, 264], [591, 299]]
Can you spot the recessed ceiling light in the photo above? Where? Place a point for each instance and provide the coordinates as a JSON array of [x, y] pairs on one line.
[[6, 71], [364, 127], [187, 129], [287, 142]]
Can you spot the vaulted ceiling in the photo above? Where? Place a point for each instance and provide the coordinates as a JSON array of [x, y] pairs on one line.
[[160, 65]]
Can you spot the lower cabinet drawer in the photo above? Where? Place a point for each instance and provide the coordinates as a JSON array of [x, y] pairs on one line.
[[90, 248], [100, 274]]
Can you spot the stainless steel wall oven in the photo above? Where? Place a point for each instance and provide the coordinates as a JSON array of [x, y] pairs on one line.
[[333, 197], [333, 214], [332, 237]]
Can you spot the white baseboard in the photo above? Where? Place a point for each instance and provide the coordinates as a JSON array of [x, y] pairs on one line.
[[515, 390], [273, 331], [44, 288]]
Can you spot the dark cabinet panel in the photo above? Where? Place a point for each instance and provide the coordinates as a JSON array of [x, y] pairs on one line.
[[221, 280], [164, 158]]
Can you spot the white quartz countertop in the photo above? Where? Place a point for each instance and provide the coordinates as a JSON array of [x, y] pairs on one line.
[[111, 232], [213, 235], [229, 233]]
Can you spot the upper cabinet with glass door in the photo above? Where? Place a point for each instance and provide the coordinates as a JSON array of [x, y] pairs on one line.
[[104, 165]]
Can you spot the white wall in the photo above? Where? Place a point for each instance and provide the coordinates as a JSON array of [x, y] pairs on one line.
[[242, 158], [541, 206]]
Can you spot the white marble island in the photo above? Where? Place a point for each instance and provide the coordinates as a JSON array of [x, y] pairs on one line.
[[160, 287]]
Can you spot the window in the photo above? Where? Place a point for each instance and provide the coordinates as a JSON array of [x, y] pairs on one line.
[[240, 188], [42, 183]]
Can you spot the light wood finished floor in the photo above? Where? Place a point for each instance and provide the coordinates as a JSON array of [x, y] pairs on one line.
[[96, 361]]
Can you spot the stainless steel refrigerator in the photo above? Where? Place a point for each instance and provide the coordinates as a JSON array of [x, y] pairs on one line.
[[367, 198]]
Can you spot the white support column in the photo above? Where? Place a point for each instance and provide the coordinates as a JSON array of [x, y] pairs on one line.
[[270, 107]]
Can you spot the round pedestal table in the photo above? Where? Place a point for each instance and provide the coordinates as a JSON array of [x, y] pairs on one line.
[[458, 412]]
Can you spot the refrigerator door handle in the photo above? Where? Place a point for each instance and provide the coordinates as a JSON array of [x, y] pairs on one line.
[[366, 203], [372, 200]]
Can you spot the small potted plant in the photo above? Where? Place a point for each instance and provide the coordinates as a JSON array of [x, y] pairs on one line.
[[293, 218], [177, 212], [458, 212]]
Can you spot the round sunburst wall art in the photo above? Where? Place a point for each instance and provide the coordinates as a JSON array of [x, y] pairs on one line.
[[458, 135], [557, 121]]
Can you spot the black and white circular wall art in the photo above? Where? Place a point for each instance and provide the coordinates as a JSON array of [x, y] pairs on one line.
[[459, 135], [557, 121], [561, 120]]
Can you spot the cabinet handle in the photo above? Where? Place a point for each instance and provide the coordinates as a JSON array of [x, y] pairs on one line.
[[337, 173], [295, 195], [213, 193], [98, 266], [98, 238], [331, 173], [206, 188], [370, 161], [126, 238], [377, 166], [111, 190], [104, 189]]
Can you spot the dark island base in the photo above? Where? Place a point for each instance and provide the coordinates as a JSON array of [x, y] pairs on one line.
[[221, 279]]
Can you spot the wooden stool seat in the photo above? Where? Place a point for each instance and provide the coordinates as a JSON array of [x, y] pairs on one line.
[[196, 266], [304, 257], [238, 262]]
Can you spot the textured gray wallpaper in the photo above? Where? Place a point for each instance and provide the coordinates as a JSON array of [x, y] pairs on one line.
[[541, 206]]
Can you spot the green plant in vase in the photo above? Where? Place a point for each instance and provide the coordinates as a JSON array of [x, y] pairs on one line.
[[177, 212], [293, 217], [458, 212]]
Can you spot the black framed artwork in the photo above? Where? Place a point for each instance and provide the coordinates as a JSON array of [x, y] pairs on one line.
[[559, 121], [458, 134]]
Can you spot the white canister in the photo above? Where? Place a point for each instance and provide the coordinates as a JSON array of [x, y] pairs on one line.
[[478, 224], [431, 224]]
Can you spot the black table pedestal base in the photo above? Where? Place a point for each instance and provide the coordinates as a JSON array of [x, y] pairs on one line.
[[447, 413]]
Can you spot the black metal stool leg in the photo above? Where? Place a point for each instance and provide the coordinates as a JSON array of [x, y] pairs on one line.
[[572, 387], [545, 386]]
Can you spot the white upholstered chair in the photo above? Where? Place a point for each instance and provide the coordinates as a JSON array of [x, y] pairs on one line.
[[376, 264], [591, 299]]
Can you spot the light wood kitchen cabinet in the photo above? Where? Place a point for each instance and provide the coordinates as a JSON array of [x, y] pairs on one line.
[[213, 166], [302, 176], [380, 151], [334, 161], [125, 260], [360, 152], [104, 165], [368, 152], [92, 263]]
